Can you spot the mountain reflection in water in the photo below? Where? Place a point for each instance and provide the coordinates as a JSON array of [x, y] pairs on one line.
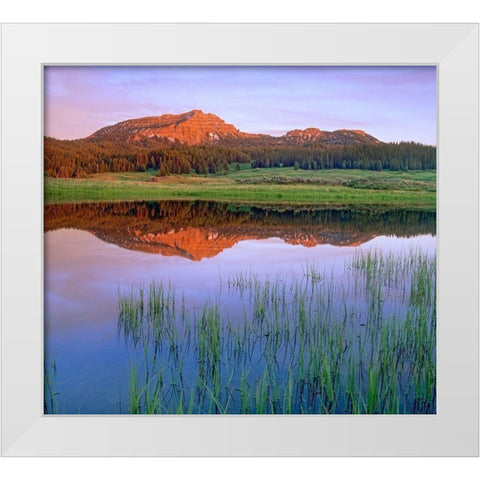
[[202, 229]]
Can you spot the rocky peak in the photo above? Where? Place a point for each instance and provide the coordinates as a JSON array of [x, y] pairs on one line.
[[191, 128], [198, 128], [337, 137]]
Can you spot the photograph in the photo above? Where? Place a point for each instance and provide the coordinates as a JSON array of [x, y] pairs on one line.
[[240, 239]]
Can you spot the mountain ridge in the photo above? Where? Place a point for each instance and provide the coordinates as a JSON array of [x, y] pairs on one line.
[[198, 128]]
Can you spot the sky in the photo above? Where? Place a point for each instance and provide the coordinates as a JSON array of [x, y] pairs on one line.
[[392, 103]]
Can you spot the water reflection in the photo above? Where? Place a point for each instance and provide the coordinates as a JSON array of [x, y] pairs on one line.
[[197, 230], [94, 252]]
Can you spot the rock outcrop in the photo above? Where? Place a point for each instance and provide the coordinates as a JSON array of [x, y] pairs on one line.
[[199, 128], [190, 128], [337, 137]]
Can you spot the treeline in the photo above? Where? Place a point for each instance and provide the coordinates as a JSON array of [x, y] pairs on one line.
[[382, 156], [79, 158]]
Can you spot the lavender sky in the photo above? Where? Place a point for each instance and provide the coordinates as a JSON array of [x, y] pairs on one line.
[[390, 103]]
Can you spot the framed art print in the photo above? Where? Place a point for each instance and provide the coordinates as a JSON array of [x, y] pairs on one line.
[[255, 273], [247, 247]]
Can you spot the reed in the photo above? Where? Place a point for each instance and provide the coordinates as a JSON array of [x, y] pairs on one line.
[[50, 405], [303, 343]]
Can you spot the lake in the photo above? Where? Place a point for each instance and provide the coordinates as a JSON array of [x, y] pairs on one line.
[[215, 308]]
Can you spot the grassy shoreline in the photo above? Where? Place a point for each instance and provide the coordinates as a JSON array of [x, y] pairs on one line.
[[281, 186]]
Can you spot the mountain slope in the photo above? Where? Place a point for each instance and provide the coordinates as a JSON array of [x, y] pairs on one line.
[[190, 128], [199, 128], [337, 137]]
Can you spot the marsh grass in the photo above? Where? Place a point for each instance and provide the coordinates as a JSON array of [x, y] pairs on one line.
[[50, 404], [310, 343]]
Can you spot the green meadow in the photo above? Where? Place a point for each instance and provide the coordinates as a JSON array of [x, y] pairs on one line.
[[414, 189]]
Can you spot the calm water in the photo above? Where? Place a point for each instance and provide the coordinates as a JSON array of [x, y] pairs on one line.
[[95, 251]]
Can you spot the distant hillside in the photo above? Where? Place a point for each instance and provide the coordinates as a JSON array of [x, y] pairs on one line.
[[338, 137], [204, 143], [190, 128], [198, 128]]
